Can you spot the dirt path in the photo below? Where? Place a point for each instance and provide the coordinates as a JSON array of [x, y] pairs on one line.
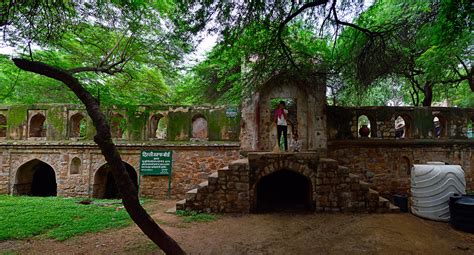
[[270, 234]]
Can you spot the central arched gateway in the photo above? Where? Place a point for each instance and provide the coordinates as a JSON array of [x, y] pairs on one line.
[[35, 178], [284, 190], [104, 182]]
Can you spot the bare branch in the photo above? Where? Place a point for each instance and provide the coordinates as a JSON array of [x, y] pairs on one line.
[[340, 22]]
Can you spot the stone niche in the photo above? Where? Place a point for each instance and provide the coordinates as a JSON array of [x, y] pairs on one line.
[[258, 130]]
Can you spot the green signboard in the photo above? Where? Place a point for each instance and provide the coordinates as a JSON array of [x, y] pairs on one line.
[[156, 162], [231, 112]]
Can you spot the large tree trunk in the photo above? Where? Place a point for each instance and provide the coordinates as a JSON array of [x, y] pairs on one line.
[[104, 141], [428, 92]]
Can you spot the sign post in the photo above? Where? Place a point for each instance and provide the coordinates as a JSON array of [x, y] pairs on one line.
[[155, 162]]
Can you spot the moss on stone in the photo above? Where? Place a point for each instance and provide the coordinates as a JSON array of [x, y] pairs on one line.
[[57, 123], [216, 124], [179, 123], [137, 120], [17, 115], [221, 127], [16, 120]]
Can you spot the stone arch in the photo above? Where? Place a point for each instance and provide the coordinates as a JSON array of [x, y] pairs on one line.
[[406, 130], [76, 121], [301, 170], [104, 182], [118, 125], [36, 126], [259, 128], [157, 127], [369, 120], [439, 121], [199, 127], [75, 166], [3, 125], [284, 190], [35, 178]]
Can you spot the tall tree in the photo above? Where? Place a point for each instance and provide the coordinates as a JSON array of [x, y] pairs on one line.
[[409, 39], [428, 43], [103, 38]]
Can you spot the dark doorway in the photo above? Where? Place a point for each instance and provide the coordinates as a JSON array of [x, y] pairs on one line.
[[44, 182], [104, 182], [36, 178], [284, 191], [37, 126]]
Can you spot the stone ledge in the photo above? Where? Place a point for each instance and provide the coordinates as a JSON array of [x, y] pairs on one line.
[[377, 142], [92, 145]]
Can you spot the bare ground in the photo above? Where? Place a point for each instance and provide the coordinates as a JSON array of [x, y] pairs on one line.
[[269, 234]]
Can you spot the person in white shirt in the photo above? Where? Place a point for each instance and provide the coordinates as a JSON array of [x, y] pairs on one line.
[[295, 144], [281, 117]]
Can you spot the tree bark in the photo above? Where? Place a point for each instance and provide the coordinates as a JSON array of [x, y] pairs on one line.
[[103, 139], [428, 92]]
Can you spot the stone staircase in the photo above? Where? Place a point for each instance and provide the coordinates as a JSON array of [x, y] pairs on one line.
[[231, 189]]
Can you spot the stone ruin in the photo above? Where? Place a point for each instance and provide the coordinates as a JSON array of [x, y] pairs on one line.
[[47, 150], [264, 180]]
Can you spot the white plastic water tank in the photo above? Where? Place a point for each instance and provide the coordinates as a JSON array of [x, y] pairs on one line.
[[431, 186]]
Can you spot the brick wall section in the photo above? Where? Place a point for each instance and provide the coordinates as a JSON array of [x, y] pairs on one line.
[[190, 167], [192, 163], [386, 165]]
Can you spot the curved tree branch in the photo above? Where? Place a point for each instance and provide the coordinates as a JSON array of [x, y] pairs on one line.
[[109, 150], [340, 22]]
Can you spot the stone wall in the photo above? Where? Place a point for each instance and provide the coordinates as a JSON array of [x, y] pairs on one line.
[[332, 188], [343, 121], [192, 163], [135, 123], [386, 164]]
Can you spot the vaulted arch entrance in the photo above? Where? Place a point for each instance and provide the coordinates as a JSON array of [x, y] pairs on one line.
[[35, 178], [284, 190], [104, 182]]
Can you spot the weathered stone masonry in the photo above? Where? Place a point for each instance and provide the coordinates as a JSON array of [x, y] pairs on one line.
[[191, 165], [384, 161], [333, 188], [345, 172], [56, 141]]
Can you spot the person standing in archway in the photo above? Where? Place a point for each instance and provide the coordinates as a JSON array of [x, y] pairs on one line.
[[281, 117]]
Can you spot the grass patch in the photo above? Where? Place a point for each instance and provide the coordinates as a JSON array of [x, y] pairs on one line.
[[56, 217], [193, 216]]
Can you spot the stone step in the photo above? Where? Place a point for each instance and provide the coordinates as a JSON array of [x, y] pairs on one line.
[[203, 184], [222, 173], [328, 164], [181, 204], [393, 208], [239, 163], [212, 179], [342, 170], [354, 177], [191, 195], [373, 195], [383, 203], [364, 186]]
